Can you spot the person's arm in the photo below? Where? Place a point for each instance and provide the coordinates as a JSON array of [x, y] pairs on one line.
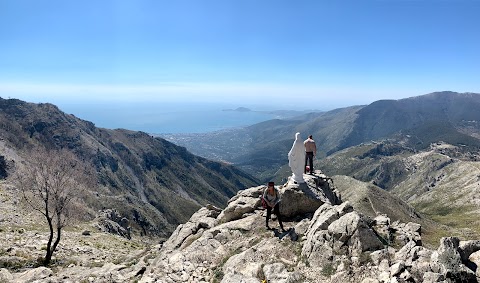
[[315, 149]]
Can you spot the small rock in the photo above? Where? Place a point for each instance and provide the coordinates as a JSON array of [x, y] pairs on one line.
[[384, 276], [34, 274], [430, 277], [86, 233], [5, 275], [405, 275], [475, 258], [397, 268], [466, 248]]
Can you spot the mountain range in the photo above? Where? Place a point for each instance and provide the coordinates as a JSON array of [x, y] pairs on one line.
[[417, 122], [405, 177], [157, 184], [154, 183], [423, 150]]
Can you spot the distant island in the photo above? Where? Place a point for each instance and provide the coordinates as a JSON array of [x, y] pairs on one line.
[[239, 109]]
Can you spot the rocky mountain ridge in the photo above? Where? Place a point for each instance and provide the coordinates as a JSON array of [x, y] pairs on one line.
[[153, 183], [261, 149], [326, 241], [442, 182]]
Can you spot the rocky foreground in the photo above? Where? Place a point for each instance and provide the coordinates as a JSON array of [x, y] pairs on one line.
[[326, 241]]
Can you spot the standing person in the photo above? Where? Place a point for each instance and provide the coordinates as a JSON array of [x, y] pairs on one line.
[[310, 152], [272, 199]]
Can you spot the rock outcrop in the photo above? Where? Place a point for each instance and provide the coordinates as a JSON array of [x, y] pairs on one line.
[[303, 198], [327, 242], [110, 221]]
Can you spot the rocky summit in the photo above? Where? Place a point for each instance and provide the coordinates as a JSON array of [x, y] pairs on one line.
[[326, 240]]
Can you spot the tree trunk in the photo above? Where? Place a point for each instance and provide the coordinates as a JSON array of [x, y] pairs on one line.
[[48, 256], [57, 240]]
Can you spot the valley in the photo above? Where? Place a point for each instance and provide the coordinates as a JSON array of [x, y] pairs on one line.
[[424, 150], [177, 204]]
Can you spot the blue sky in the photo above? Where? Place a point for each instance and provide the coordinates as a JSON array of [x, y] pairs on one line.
[[325, 54]]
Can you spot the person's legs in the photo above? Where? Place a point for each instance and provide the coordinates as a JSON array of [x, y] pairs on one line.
[[269, 212], [306, 160], [311, 162], [276, 210]]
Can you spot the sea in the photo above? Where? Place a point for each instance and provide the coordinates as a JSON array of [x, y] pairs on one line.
[[166, 118]]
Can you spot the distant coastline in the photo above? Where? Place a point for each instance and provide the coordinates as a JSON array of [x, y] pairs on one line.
[[173, 118], [239, 109]]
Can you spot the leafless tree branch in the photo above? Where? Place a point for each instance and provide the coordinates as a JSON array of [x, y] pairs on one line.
[[50, 183]]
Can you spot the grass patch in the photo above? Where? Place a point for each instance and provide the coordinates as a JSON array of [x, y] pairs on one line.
[[461, 222], [431, 236]]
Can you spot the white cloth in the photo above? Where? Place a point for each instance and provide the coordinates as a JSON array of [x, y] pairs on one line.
[[296, 159]]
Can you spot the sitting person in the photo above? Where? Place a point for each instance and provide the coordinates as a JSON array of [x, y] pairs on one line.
[[272, 200]]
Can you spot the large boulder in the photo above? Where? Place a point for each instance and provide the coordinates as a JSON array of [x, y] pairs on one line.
[[404, 233], [303, 198], [336, 230], [352, 230], [110, 221], [34, 275], [246, 201], [317, 247], [243, 263], [448, 262], [297, 199], [204, 218]]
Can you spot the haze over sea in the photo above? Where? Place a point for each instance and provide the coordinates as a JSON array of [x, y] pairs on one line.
[[162, 118]]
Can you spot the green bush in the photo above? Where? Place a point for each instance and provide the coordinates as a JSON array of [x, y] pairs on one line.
[[328, 269]]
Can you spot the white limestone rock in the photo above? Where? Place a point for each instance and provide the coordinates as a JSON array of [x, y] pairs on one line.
[[204, 218], [350, 229], [475, 258], [246, 201], [397, 268], [5, 275], [466, 248], [33, 275], [447, 261]]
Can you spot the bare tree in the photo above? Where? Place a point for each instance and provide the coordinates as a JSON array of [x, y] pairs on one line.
[[50, 182]]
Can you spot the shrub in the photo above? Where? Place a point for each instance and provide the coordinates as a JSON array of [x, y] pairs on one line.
[[328, 269]]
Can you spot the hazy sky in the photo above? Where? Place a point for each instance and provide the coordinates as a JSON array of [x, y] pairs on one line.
[[326, 53]]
